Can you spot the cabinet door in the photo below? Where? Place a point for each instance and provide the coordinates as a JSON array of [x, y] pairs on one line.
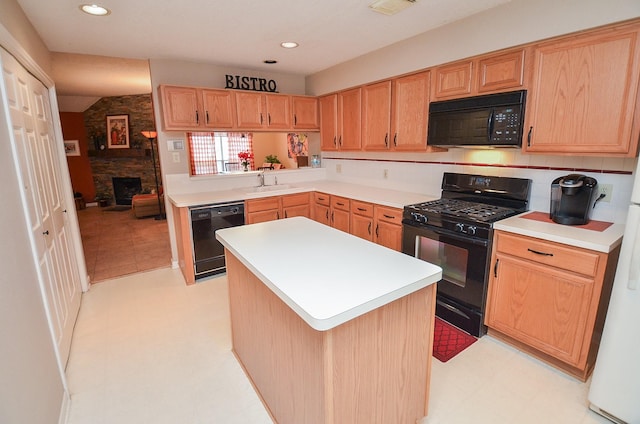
[[410, 112], [453, 80], [501, 71], [250, 110], [389, 235], [320, 213], [349, 108], [179, 108], [305, 112], [362, 226], [219, 111], [261, 210], [298, 210], [540, 306], [278, 109], [340, 219], [263, 216], [329, 122], [376, 116], [582, 98]]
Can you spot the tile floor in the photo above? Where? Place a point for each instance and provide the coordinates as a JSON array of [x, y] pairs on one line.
[[118, 243], [148, 349]]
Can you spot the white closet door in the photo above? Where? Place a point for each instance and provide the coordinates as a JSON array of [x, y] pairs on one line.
[[34, 139]]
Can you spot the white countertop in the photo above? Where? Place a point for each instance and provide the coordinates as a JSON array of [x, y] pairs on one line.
[[601, 241], [347, 277], [386, 197]]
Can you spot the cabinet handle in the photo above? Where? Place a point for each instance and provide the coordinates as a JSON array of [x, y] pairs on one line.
[[334, 141], [197, 118], [340, 141], [395, 137], [388, 216], [495, 269], [362, 209], [285, 214], [327, 214], [377, 234], [332, 217], [260, 119], [206, 116], [369, 229], [295, 119], [529, 137], [45, 233], [278, 215], [540, 253], [339, 204], [386, 140], [268, 118]]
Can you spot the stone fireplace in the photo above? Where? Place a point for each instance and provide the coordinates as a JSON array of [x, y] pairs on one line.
[[124, 188]]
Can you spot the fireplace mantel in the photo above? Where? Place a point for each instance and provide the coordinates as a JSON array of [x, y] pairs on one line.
[[120, 153]]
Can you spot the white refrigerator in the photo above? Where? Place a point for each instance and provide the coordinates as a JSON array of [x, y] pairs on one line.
[[615, 385]]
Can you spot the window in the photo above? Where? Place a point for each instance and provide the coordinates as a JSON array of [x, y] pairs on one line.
[[216, 152]]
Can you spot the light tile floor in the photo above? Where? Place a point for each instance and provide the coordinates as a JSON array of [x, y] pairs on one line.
[[148, 349], [118, 243]]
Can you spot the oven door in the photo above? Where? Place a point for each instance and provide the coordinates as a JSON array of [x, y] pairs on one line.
[[464, 261]]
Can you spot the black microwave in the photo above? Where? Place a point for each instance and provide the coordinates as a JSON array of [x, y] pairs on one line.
[[493, 120]]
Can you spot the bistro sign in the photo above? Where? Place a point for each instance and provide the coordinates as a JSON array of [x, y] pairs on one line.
[[238, 82]]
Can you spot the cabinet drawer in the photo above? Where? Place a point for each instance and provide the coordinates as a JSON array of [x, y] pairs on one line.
[[295, 200], [341, 203], [549, 253], [263, 204], [386, 214], [321, 198], [362, 208]]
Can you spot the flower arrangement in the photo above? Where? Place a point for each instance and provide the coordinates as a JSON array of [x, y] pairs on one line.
[[245, 158]]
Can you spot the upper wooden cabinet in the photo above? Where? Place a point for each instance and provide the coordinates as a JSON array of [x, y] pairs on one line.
[[583, 97], [263, 111], [376, 116], [329, 122], [189, 108], [305, 112], [483, 74]]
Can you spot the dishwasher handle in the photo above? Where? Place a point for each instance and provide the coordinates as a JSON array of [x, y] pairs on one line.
[[213, 211]]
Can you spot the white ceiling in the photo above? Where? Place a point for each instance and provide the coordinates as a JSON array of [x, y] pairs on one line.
[[238, 33]]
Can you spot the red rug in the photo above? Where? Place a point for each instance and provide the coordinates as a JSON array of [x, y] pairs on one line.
[[448, 340]]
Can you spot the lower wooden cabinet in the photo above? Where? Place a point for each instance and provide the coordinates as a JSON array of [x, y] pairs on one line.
[[379, 224], [549, 299], [320, 208], [340, 213], [276, 207]]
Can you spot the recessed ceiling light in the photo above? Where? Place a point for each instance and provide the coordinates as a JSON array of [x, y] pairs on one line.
[[95, 10], [289, 44], [270, 61]]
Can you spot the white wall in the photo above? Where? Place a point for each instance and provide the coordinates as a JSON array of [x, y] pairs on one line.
[[511, 24], [31, 390]]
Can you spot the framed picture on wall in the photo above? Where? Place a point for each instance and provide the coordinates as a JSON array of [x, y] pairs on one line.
[[72, 147], [118, 131]]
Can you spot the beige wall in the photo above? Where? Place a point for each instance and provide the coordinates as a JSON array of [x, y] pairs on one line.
[[511, 24], [31, 390]]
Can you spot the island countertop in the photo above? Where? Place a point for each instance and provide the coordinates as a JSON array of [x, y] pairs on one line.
[[348, 276]]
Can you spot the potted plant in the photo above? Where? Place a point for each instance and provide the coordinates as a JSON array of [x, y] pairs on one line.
[[272, 159], [103, 198], [245, 159]]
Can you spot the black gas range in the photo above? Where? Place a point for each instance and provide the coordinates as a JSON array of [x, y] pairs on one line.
[[455, 232]]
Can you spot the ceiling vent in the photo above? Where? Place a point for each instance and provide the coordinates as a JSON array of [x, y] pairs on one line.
[[390, 7]]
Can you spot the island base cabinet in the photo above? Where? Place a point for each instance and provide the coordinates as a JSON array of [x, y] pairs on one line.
[[372, 369]]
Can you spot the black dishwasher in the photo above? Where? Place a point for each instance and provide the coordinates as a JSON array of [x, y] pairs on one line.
[[208, 253]]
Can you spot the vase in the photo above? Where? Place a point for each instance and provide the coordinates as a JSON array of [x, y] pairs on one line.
[[245, 167]]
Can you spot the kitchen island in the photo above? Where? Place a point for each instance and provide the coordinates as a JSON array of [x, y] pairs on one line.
[[348, 340]]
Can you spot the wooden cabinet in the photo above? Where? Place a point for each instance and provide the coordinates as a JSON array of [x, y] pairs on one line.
[[305, 112], [276, 207], [263, 111], [328, 122], [189, 108], [362, 219], [410, 112], [349, 119], [583, 97], [388, 227], [495, 72], [376, 116], [549, 299], [340, 213], [376, 223], [320, 208]]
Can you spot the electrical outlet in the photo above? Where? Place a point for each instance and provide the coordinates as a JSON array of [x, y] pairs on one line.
[[338, 168], [176, 157], [385, 173], [607, 190]]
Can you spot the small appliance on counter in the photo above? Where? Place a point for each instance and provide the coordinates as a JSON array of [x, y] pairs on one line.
[[573, 197]]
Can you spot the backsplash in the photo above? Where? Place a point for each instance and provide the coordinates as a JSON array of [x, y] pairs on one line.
[[422, 173]]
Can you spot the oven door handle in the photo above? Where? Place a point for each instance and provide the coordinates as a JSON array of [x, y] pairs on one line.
[[459, 237]]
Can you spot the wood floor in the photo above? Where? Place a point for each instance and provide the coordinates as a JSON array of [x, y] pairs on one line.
[[116, 243]]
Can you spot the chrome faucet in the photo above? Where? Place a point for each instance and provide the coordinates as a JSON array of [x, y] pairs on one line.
[[261, 178]]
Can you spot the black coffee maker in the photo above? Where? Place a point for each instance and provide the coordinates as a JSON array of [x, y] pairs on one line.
[[572, 199]]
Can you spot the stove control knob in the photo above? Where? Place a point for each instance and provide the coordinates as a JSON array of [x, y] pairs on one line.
[[460, 227], [419, 217], [471, 230]]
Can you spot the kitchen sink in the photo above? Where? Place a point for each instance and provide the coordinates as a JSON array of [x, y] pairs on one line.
[[262, 189]]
